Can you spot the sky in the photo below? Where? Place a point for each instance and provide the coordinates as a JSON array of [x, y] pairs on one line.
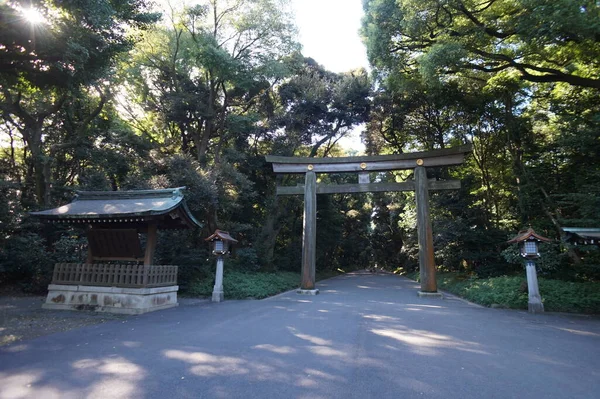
[[329, 33]]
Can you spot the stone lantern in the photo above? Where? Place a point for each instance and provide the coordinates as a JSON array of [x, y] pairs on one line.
[[220, 242], [528, 241]]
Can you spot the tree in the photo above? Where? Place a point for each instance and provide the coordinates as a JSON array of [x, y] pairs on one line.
[[539, 40], [320, 107], [47, 62], [205, 75]]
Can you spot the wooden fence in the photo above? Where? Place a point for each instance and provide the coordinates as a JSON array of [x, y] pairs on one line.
[[114, 275]]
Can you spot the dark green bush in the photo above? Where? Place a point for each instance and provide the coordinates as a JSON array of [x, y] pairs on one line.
[[505, 291], [511, 292], [242, 285], [71, 249], [24, 260], [564, 296], [245, 259]]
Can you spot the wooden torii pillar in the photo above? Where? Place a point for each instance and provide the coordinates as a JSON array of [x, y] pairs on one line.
[[362, 165]]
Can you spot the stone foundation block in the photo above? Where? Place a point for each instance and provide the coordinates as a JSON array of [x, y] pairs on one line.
[[424, 294], [110, 299]]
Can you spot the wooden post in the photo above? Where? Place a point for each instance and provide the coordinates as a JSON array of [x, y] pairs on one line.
[[150, 244], [425, 234], [90, 256], [309, 234]]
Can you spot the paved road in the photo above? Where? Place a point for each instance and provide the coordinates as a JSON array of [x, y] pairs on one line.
[[365, 336]]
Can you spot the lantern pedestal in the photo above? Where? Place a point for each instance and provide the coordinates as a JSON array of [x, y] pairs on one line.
[[307, 292], [218, 295], [534, 304], [430, 294]]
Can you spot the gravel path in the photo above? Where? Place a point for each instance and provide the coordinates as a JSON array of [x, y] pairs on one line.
[[22, 318]]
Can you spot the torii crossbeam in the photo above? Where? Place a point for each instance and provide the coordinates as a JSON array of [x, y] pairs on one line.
[[362, 165]]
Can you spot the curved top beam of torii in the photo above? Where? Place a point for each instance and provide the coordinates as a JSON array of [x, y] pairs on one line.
[[443, 157]]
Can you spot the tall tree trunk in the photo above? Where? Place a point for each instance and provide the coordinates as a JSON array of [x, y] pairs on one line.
[[516, 150], [33, 138], [205, 135]]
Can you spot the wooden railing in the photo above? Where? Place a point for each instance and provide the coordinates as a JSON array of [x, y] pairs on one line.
[[114, 275]]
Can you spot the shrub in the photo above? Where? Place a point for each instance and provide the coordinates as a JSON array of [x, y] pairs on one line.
[[505, 291], [564, 296], [511, 292], [245, 259], [24, 260], [242, 285]]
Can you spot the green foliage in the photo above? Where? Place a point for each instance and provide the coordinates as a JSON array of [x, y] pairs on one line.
[[515, 80], [504, 291], [74, 44], [239, 284], [243, 285], [70, 249], [511, 292], [562, 296], [54, 75], [25, 261], [540, 40], [245, 259]]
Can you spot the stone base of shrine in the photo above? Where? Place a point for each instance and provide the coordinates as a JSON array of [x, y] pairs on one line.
[[307, 292], [430, 294], [110, 299]]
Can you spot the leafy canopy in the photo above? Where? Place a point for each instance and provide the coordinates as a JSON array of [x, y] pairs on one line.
[[540, 40]]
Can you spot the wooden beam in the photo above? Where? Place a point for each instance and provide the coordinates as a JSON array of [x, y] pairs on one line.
[[309, 234], [150, 244], [463, 149], [370, 187], [368, 166], [445, 157], [424, 232]]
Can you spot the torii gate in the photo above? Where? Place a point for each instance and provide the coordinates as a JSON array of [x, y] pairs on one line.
[[363, 165]]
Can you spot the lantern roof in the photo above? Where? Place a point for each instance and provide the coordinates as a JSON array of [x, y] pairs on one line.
[[528, 235], [221, 235], [165, 207]]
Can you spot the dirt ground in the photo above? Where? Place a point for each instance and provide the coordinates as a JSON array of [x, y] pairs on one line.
[[23, 318]]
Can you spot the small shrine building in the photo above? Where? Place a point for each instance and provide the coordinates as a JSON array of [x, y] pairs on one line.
[[119, 275]]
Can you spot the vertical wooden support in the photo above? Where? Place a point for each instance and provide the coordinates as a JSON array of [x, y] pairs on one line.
[[426, 259], [150, 244], [90, 256], [309, 234]]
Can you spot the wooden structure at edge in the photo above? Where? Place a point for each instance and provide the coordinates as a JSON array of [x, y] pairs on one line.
[[362, 165], [114, 220]]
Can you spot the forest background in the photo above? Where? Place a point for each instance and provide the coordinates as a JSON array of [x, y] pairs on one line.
[[111, 95]]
